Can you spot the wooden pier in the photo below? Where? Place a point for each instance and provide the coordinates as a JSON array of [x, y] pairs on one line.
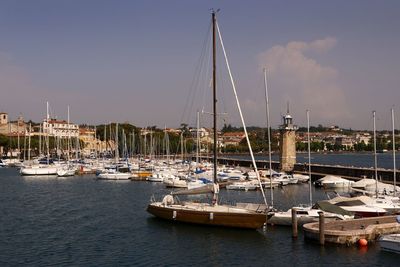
[[349, 232]]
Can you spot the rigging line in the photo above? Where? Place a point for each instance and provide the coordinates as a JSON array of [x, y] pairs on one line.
[[207, 81], [202, 82], [195, 78], [241, 115]]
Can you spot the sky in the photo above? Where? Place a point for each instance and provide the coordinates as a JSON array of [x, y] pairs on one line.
[[137, 61]]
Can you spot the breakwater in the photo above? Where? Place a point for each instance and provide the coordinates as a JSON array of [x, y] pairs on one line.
[[318, 170]]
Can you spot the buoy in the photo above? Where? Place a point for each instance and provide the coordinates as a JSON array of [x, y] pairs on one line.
[[362, 242]]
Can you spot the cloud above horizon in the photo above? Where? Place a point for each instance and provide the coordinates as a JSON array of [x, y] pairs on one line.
[[303, 81]]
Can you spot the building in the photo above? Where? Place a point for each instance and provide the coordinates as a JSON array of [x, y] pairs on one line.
[[345, 141], [60, 128], [232, 138], [15, 128], [91, 144], [363, 137], [287, 157], [3, 118]]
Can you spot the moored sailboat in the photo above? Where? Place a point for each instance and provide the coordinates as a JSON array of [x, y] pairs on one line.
[[242, 215]]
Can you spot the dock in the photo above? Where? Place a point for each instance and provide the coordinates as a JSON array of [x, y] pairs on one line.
[[348, 232]]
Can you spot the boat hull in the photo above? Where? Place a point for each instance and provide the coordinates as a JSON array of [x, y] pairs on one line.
[[39, 171], [212, 218], [390, 243]]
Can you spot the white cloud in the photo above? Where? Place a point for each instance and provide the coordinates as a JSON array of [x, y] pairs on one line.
[[304, 82]]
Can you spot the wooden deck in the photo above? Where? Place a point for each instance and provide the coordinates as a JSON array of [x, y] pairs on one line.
[[350, 231]]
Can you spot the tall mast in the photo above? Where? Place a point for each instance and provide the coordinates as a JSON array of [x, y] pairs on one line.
[[69, 137], [197, 139], [269, 136], [309, 154], [375, 157], [214, 96], [394, 155]]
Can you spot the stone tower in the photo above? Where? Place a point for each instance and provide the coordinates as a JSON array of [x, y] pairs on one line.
[[287, 157], [3, 118]]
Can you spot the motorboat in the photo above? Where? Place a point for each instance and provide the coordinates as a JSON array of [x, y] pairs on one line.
[[306, 215], [245, 186], [284, 179], [38, 170], [332, 182], [362, 206], [390, 242], [301, 178], [113, 175], [371, 186], [66, 171], [2, 164]]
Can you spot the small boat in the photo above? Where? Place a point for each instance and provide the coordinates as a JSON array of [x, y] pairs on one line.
[[246, 186], [301, 177], [284, 179], [361, 206], [2, 164], [66, 171], [175, 182], [331, 182], [306, 215], [390, 243], [38, 170], [113, 175]]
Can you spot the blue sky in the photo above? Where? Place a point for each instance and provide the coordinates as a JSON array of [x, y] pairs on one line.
[[135, 60]]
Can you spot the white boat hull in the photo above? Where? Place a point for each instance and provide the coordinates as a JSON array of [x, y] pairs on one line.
[[37, 171], [390, 243]]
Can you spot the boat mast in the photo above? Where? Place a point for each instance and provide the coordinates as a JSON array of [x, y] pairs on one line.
[[375, 156], [394, 155], [197, 140], [269, 136], [214, 97], [309, 155]]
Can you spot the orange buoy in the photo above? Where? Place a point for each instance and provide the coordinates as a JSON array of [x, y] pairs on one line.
[[362, 242]]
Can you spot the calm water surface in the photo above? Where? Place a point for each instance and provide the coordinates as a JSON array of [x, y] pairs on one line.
[[80, 221]]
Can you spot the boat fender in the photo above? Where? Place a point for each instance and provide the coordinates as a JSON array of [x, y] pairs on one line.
[[362, 242], [168, 200], [174, 214], [211, 216]]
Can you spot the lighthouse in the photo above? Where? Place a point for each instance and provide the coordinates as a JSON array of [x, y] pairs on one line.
[[287, 157]]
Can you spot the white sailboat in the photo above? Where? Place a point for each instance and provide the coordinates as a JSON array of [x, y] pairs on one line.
[[40, 169], [114, 173]]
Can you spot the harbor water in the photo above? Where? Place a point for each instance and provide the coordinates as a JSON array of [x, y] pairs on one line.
[[80, 221]]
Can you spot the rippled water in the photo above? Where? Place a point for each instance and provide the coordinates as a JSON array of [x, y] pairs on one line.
[[80, 221]]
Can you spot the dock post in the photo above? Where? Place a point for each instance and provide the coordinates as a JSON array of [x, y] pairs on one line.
[[294, 223], [321, 228]]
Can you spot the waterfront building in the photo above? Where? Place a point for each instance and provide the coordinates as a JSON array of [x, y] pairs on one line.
[[12, 128], [3, 118], [60, 128], [345, 142], [92, 145], [232, 138], [287, 157]]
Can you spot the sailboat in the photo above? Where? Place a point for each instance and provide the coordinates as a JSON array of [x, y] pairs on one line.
[[114, 173], [241, 215], [40, 169]]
